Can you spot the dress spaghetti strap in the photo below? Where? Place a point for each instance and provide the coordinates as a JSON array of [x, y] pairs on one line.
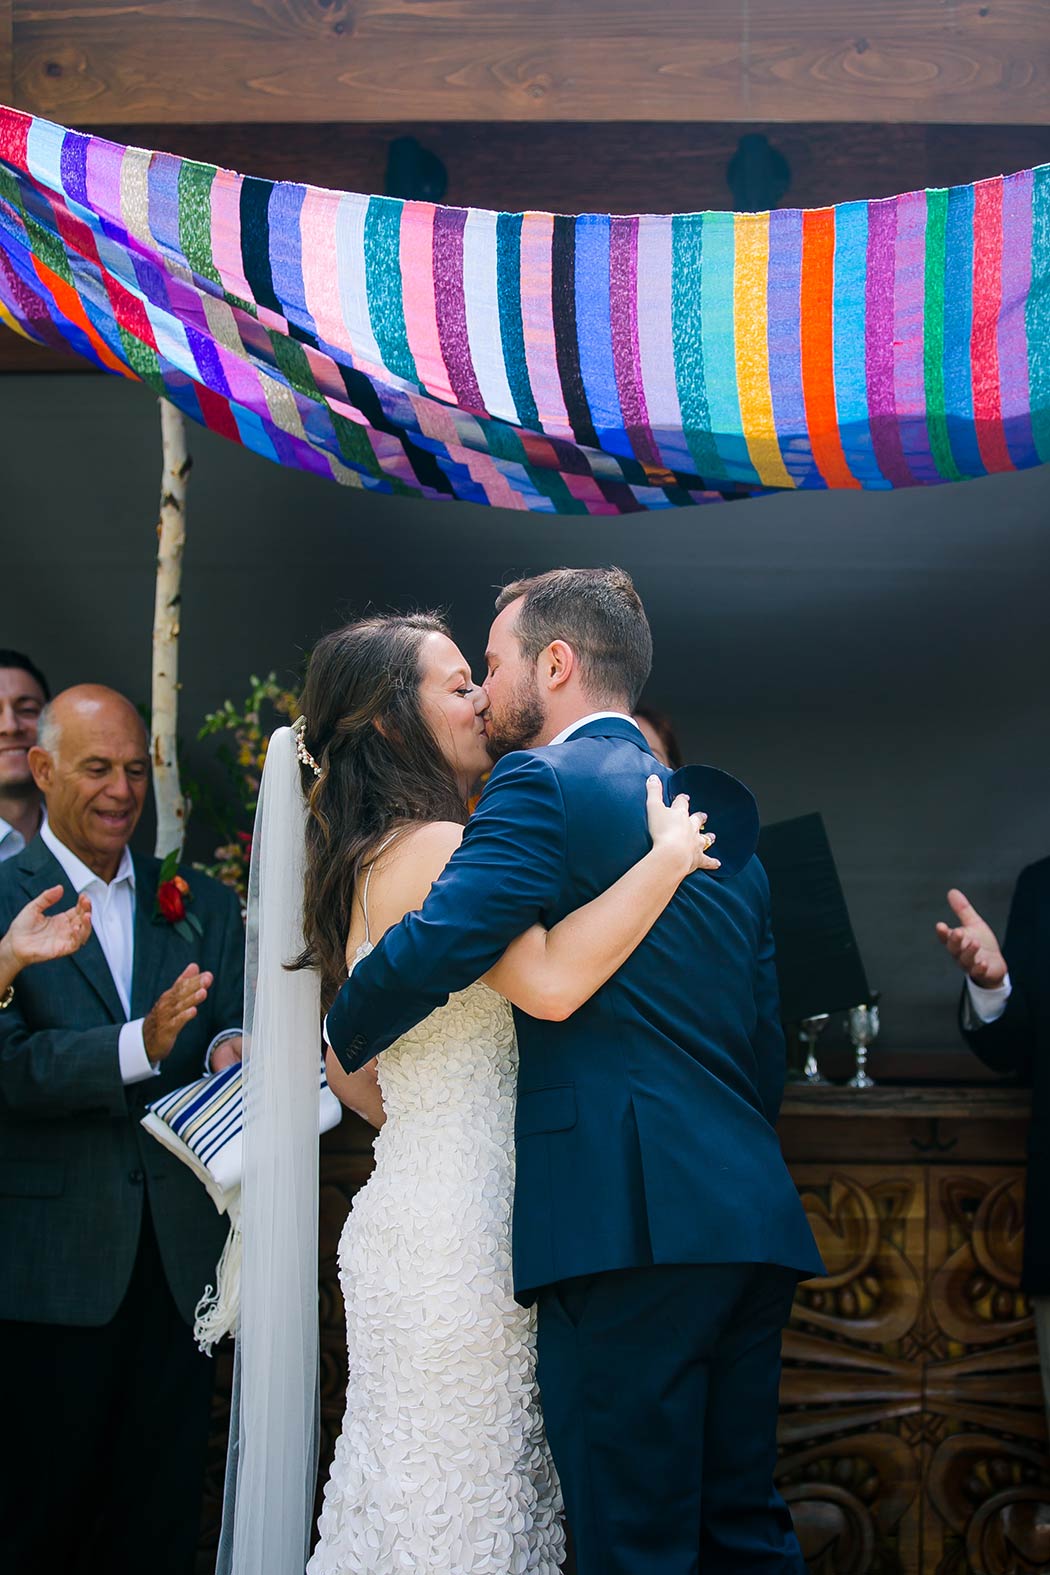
[[368, 877]]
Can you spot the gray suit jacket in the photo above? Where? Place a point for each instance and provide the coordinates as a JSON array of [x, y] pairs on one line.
[[75, 1165]]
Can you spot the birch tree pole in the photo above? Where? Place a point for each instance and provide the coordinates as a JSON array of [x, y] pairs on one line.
[[171, 534]]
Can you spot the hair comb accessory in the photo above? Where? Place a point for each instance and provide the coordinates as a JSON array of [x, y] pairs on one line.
[[302, 753]]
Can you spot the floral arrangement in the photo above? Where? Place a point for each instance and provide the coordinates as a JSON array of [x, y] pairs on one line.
[[242, 754]]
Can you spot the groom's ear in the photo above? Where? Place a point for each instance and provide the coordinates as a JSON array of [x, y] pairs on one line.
[[557, 664]]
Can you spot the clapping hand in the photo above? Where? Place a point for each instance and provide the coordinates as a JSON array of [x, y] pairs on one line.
[[173, 1010], [973, 944], [34, 937], [671, 826]]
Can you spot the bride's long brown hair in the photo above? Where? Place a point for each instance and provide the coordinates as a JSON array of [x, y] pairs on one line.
[[371, 781]]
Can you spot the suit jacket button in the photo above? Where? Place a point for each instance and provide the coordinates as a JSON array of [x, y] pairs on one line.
[[135, 1177], [358, 1042]]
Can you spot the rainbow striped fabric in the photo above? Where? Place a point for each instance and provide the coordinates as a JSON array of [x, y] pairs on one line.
[[594, 365]]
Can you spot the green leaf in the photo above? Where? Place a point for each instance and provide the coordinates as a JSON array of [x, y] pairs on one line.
[[182, 929], [169, 868], [194, 923]]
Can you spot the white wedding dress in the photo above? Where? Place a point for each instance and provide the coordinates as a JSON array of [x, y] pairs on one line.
[[442, 1465]]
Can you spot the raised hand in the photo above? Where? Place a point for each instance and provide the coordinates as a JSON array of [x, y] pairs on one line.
[[34, 937], [973, 944], [173, 1010], [673, 828]]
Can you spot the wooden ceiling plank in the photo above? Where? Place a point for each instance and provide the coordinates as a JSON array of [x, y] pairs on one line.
[[7, 58], [500, 60], [624, 167]]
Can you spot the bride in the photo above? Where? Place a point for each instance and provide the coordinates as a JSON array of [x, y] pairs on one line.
[[442, 1463]]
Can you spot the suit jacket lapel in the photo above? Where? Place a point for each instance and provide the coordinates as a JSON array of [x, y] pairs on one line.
[[40, 869], [151, 941]]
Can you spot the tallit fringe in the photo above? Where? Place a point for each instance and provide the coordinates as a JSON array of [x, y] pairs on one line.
[[216, 1313]]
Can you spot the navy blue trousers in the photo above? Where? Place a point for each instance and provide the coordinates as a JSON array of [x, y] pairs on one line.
[[659, 1390]]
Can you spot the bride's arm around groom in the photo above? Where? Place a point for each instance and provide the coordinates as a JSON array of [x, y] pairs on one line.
[[506, 876]]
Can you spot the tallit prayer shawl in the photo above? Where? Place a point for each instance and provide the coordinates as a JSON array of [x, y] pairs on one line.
[[202, 1124], [594, 365]]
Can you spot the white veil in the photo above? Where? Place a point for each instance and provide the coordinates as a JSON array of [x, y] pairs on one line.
[[271, 1468]]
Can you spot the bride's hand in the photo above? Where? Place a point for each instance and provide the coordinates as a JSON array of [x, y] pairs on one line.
[[677, 833]]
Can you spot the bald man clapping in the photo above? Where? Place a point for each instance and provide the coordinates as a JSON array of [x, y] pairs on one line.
[[107, 1240]]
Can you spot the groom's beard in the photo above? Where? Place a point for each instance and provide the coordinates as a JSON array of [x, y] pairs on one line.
[[519, 726]]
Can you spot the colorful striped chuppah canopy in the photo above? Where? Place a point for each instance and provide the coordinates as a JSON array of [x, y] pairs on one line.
[[595, 364]]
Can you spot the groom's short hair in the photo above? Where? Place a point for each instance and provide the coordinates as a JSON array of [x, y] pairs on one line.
[[599, 614]]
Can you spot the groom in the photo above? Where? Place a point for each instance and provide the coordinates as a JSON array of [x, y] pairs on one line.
[[655, 1224]]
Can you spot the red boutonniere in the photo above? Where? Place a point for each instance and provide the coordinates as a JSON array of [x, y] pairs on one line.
[[173, 899]]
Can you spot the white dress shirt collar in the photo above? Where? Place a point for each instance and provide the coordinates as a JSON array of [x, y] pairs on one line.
[[80, 876], [12, 842], [595, 716]]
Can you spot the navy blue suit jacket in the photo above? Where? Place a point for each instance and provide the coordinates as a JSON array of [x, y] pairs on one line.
[[645, 1121]]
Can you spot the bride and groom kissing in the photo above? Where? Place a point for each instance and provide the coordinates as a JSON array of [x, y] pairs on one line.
[[569, 1271]]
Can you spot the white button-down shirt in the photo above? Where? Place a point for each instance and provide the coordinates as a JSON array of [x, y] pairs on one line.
[[113, 921], [12, 842], [985, 1006]]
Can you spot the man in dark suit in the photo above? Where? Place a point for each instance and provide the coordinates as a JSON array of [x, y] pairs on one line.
[[1005, 1017], [654, 1220], [107, 1241], [23, 695]]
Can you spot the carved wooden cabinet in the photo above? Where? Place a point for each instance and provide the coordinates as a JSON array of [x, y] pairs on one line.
[[912, 1430]]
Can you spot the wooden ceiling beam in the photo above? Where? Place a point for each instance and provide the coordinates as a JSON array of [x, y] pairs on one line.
[[86, 62], [7, 58]]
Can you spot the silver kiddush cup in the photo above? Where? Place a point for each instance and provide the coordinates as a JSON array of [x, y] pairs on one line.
[[863, 1025], [809, 1031]]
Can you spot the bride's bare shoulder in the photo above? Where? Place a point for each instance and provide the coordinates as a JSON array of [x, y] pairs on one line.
[[430, 837], [407, 870]]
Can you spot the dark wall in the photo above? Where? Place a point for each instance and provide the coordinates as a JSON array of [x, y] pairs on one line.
[[881, 658]]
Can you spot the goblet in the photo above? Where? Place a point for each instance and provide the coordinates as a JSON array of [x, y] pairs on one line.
[[809, 1031], [863, 1025]]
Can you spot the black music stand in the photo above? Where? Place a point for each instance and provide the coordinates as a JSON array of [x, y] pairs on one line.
[[818, 963]]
